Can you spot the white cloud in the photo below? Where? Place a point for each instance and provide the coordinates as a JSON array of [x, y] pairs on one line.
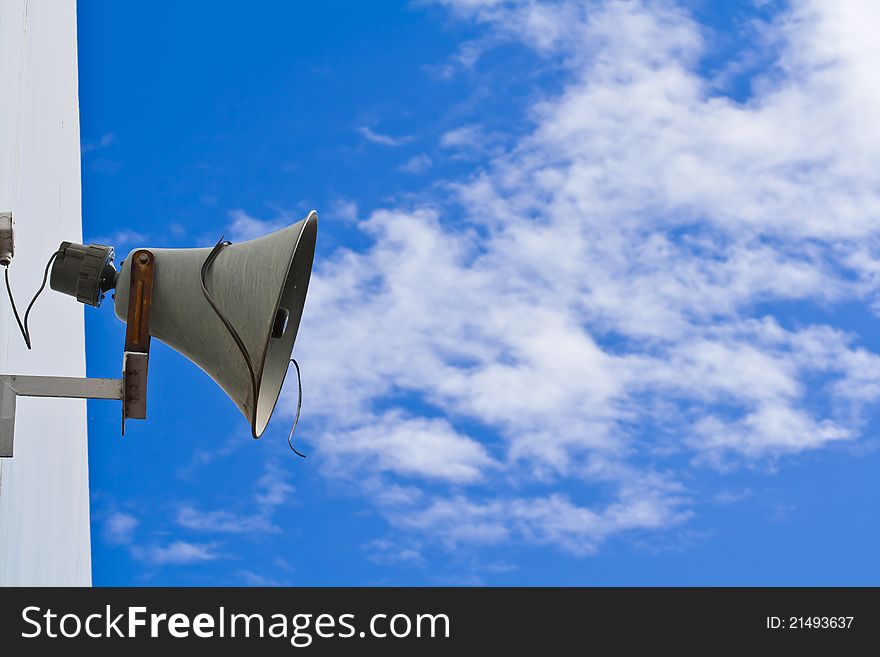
[[551, 520], [604, 296], [409, 447], [732, 496], [176, 553], [223, 522], [385, 552], [107, 139], [344, 209], [466, 55], [119, 528], [243, 226], [417, 164], [272, 491], [464, 137], [121, 239], [384, 140], [251, 578]]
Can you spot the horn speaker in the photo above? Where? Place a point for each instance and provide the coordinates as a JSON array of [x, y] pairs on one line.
[[259, 286]]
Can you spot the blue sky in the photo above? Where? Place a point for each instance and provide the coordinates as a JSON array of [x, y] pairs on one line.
[[595, 299]]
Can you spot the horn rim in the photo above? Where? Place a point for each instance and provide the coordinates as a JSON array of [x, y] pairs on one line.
[[309, 224]]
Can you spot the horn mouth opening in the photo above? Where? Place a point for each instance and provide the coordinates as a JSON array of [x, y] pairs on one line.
[[282, 335]]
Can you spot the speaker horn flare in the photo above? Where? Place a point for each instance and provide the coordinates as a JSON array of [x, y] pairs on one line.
[[260, 287]]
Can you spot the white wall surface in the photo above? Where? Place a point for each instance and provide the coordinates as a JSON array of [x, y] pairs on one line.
[[44, 488]]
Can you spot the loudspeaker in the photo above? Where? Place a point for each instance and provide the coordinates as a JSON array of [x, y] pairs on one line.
[[259, 286]]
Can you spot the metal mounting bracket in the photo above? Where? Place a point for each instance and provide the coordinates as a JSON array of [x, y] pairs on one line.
[[7, 241], [136, 358], [13, 386], [131, 389]]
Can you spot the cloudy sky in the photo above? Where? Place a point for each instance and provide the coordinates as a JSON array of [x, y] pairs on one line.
[[596, 294]]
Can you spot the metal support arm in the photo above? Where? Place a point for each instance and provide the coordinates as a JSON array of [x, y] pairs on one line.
[[131, 389], [12, 386]]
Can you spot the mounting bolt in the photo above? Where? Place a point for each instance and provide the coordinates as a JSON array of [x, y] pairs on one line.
[[143, 258], [7, 244]]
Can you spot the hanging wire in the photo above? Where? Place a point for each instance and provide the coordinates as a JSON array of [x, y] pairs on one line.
[[299, 400], [222, 244], [23, 326]]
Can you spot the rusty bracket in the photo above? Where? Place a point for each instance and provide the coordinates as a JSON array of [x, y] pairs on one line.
[[137, 337]]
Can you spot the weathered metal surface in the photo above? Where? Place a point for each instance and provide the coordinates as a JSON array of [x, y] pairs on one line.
[[134, 384], [136, 360], [250, 282], [141, 266], [13, 386]]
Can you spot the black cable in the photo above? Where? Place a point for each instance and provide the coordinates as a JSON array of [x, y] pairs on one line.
[[222, 244], [15, 311], [23, 326], [299, 401]]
